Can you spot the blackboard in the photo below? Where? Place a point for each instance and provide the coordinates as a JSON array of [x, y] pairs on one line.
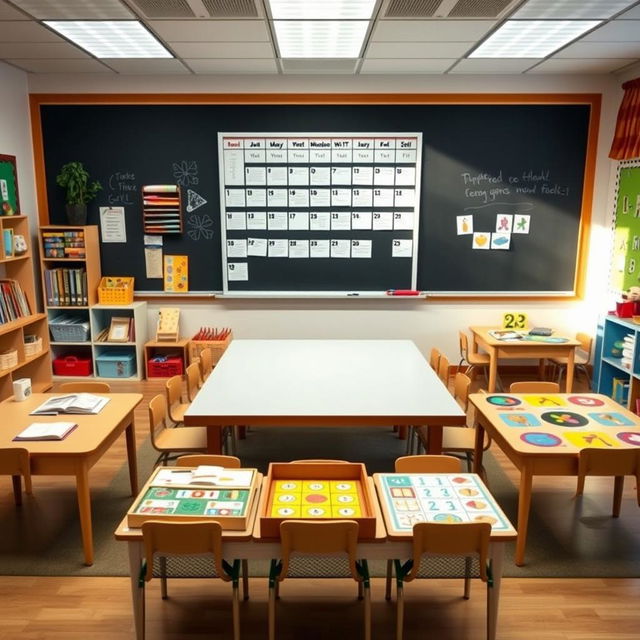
[[473, 158]]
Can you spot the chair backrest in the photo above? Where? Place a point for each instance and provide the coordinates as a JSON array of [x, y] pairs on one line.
[[434, 359], [182, 538], [323, 537], [534, 386], [15, 462], [461, 386], [443, 369], [586, 344], [463, 343], [427, 464], [206, 362], [609, 462], [315, 460], [459, 538], [173, 388], [195, 460], [157, 416], [193, 380], [84, 387]]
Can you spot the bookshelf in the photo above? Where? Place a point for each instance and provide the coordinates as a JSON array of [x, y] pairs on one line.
[[24, 335]]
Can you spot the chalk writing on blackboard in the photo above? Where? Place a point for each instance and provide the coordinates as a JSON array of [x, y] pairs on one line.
[[122, 188], [194, 200], [200, 227], [185, 172]]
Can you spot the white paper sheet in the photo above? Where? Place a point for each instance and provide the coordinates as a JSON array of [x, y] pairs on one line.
[[278, 248], [319, 221], [298, 248], [319, 248], [319, 197], [403, 220], [257, 220], [256, 197], [340, 220], [362, 176], [340, 248], [277, 176], [361, 220], [361, 248], [401, 248], [257, 247], [236, 248], [236, 220], [277, 220], [320, 176], [255, 175], [237, 271], [382, 220], [298, 221]]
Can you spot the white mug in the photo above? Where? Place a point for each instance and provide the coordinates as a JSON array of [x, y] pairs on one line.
[[21, 389]]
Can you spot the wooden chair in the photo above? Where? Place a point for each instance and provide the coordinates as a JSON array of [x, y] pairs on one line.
[[443, 369], [176, 408], [427, 464], [16, 463], [610, 462], [435, 538], [581, 360], [206, 363], [315, 460], [195, 460], [194, 381], [434, 359], [166, 440], [162, 539], [313, 539], [84, 387], [534, 386], [474, 360]]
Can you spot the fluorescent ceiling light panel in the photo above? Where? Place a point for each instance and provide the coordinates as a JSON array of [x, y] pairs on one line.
[[322, 9], [326, 39], [571, 9], [75, 9], [111, 39], [531, 38]]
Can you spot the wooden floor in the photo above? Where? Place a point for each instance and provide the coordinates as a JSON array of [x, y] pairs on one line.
[[65, 608]]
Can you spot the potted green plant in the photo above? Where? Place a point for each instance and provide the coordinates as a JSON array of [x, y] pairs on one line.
[[75, 179]]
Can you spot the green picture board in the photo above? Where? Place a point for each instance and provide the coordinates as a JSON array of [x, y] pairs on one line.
[[9, 200], [625, 266]]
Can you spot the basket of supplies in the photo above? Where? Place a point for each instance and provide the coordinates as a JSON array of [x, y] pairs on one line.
[[115, 290], [8, 359], [32, 345], [69, 329], [217, 340]]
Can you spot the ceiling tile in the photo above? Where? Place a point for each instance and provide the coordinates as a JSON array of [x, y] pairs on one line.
[[54, 50], [26, 32], [396, 65], [616, 31], [61, 66], [9, 13], [581, 65], [632, 14], [223, 49], [207, 30], [142, 66], [431, 30], [417, 49], [493, 65], [75, 9], [600, 50], [247, 65]]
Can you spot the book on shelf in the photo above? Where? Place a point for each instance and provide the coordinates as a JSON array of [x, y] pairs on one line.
[[46, 431], [66, 287], [13, 302], [78, 403], [620, 390]]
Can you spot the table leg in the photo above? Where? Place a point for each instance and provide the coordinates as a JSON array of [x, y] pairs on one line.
[[493, 370], [496, 552], [214, 439], [135, 561], [570, 362], [542, 369], [435, 440], [402, 431], [524, 505], [17, 489], [130, 434], [479, 449], [84, 509]]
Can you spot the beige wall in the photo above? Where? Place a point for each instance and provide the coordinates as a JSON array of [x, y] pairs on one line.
[[427, 323]]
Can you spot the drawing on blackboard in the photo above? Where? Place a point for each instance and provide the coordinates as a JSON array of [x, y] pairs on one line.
[[500, 240], [504, 223], [186, 172], [194, 200], [200, 227], [521, 224], [481, 241], [464, 225]]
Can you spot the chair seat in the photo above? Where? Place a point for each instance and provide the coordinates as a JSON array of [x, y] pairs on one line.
[[182, 439], [478, 359], [576, 361]]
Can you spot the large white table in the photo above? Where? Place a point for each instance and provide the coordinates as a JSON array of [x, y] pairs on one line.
[[323, 383]]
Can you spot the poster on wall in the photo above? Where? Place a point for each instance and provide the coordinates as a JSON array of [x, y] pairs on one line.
[[9, 199]]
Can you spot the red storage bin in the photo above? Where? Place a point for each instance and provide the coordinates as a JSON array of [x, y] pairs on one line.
[[70, 365], [166, 368]]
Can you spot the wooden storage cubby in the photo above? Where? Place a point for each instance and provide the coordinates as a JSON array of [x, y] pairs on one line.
[[37, 367]]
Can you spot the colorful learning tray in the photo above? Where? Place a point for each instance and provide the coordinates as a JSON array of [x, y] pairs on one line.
[[561, 423], [230, 506], [317, 491], [409, 498]]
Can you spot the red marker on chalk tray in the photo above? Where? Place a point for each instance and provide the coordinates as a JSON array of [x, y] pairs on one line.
[[403, 292]]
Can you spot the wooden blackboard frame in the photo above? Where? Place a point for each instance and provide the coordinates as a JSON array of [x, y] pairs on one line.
[[593, 101]]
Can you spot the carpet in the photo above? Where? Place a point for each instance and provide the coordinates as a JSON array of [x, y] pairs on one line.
[[567, 537]]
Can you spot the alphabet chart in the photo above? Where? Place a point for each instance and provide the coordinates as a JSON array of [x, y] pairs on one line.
[[331, 212]]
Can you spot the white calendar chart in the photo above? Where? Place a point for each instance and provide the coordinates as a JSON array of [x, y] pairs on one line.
[[319, 213]]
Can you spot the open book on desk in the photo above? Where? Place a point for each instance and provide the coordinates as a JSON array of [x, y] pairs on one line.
[[505, 334], [46, 431], [79, 403]]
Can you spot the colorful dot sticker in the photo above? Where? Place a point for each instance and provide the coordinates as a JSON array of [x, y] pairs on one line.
[[586, 401], [630, 437], [565, 418], [476, 504], [503, 401], [612, 419], [468, 492], [545, 400], [316, 498], [541, 439], [582, 439], [520, 419], [446, 517], [490, 519]]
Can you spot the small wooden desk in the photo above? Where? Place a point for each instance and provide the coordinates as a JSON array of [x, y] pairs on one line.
[[519, 424], [79, 451], [514, 349], [443, 496], [323, 383]]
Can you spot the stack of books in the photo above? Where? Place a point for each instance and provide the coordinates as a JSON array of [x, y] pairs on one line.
[[620, 390], [66, 287], [63, 244], [629, 342], [13, 302]]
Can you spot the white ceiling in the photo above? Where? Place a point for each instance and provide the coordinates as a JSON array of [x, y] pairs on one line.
[[236, 37]]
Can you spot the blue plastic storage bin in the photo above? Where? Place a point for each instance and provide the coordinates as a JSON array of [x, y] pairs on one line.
[[116, 365]]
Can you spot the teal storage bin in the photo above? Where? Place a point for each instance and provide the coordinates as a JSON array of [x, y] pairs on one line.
[[116, 365]]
